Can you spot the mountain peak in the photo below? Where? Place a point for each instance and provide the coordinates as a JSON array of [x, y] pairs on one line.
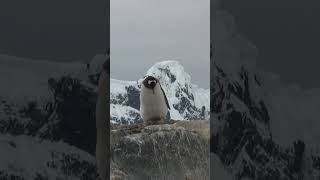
[[170, 71]]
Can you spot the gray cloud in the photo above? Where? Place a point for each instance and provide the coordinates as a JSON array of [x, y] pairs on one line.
[[143, 32]]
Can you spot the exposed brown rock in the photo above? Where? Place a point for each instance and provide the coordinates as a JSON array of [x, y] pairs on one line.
[[176, 151]]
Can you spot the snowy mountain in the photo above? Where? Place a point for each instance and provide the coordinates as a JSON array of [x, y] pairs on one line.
[[187, 100]]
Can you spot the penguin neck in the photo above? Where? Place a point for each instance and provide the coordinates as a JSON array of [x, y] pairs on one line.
[[154, 88]]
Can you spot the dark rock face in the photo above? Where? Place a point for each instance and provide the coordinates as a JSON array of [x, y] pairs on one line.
[[169, 74], [119, 99], [75, 107], [241, 136], [133, 97]]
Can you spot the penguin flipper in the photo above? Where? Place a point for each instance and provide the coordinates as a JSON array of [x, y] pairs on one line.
[[165, 97]]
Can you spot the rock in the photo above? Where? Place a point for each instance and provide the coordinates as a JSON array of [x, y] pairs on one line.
[[117, 174], [177, 151], [200, 127]]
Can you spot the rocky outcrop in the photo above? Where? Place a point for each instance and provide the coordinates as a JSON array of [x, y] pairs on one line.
[[176, 151]]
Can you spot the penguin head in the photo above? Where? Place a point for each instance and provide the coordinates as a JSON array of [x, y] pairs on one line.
[[150, 82]]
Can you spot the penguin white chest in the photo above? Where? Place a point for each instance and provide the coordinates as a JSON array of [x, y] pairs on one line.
[[152, 103]]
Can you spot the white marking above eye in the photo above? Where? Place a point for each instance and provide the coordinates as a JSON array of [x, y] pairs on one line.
[[149, 82]]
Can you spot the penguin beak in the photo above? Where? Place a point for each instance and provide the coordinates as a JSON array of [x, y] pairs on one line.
[[151, 82]]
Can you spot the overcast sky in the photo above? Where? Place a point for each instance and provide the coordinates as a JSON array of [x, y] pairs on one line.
[[143, 32]]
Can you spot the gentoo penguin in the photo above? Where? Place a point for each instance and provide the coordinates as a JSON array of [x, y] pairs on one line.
[[102, 125], [153, 101]]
